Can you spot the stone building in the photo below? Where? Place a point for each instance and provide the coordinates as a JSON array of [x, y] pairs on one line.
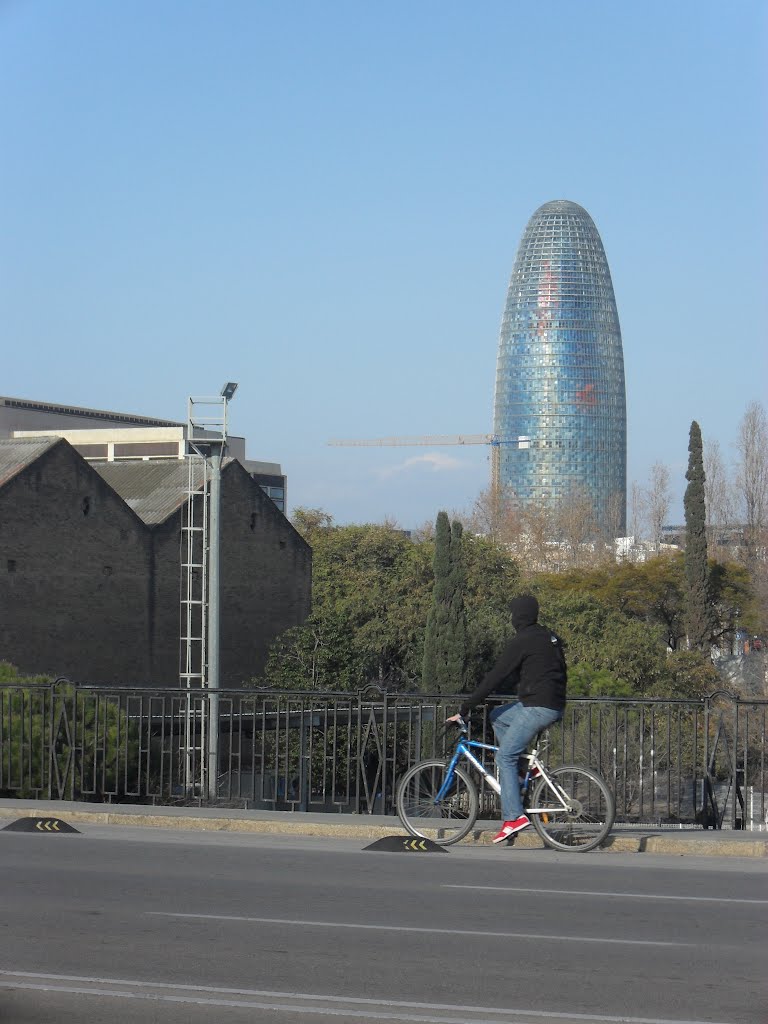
[[90, 567]]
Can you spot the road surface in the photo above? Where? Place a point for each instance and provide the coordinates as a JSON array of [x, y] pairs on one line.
[[130, 925]]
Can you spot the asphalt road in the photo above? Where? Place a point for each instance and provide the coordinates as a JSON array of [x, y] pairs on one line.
[[129, 926]]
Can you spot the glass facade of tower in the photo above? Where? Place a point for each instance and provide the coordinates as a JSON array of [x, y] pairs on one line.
[[560, 407]]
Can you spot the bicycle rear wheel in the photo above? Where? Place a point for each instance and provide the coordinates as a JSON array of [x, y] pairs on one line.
[[590, 809], [445, 822]]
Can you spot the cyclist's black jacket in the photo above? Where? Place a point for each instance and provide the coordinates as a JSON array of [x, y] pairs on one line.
[[532, 665]]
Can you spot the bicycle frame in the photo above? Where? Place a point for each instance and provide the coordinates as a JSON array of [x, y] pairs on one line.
[[463, 750]]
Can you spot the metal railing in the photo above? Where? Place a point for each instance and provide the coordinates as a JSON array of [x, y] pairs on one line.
[[668, 762]]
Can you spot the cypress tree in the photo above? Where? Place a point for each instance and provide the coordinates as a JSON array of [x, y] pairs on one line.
[[455, 644], [697, 614], [445, 639]]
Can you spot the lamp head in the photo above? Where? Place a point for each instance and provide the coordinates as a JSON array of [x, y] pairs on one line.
[[228, 390]]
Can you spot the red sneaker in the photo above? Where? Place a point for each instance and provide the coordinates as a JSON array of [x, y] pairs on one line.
[[510, 827]]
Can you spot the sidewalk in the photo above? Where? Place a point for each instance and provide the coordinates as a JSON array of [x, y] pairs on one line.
[[366, 828]]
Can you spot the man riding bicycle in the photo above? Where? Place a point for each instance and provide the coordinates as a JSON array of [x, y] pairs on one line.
[[532, 664]]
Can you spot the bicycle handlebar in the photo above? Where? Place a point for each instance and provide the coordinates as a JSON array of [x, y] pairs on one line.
[[462, 725]]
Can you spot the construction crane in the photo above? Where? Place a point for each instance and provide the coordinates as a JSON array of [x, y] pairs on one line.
[[446, 439]]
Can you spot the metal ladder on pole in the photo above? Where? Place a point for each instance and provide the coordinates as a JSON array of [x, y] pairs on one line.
[[193, 664], [206, 434], [194, 565]]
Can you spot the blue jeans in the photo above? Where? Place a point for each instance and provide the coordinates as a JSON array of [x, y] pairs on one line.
[[515, 726]]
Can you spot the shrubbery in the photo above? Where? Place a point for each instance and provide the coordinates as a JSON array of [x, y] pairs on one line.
[[59, 740]]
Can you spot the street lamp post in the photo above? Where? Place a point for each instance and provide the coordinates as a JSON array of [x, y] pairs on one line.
[[218, 450]]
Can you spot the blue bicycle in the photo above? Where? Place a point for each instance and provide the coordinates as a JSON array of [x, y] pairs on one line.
[[570, 807]]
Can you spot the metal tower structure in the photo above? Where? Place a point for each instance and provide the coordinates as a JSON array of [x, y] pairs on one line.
[[200, 585]]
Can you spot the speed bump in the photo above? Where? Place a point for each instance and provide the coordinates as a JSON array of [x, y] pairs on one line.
[[405, 844], [43, 826]]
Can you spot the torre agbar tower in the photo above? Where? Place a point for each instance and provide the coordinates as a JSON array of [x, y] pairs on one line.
[[560, 406]]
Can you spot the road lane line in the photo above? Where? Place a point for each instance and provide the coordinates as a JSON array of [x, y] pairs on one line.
[[80, 985], [582, 892], [528, 936], [250, 1004]]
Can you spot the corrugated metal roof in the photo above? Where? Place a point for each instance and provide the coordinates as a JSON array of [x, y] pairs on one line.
[[154, 490], [17, 453]]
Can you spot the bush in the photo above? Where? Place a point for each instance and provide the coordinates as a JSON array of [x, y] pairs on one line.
[[56, 740]]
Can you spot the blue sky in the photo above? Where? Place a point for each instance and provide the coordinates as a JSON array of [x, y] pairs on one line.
[[323, 200]]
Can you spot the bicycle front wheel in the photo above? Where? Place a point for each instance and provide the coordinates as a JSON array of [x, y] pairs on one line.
[[445, 821], [586, 819]]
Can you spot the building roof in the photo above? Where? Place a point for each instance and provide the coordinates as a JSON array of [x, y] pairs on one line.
[[80, 412], [17, 454], [562, 206], [154, 490], [264, 468]]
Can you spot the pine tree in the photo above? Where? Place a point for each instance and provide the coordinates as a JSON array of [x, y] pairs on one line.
[[698, 614], [445, 640]]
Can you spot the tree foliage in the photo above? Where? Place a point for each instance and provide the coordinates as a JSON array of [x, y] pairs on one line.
[[697, 614], [445, 638], [36, 749], [586, 681], [627, 619], [372, 591], [623, 624]]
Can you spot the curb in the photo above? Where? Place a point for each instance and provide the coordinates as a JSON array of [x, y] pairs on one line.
[[695, 845], [180, 823]]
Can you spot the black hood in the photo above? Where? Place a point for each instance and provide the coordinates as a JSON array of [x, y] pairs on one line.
[[525, 611]]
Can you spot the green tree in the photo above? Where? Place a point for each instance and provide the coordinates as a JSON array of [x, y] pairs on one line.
[[445, 637], [734, 600], [438, 612], [493, 577], [585, 681], [650, 591], [38, 751], [371, 595], [308, 521], [689, 675], [698, 616], [374, 586], [631, 651]]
